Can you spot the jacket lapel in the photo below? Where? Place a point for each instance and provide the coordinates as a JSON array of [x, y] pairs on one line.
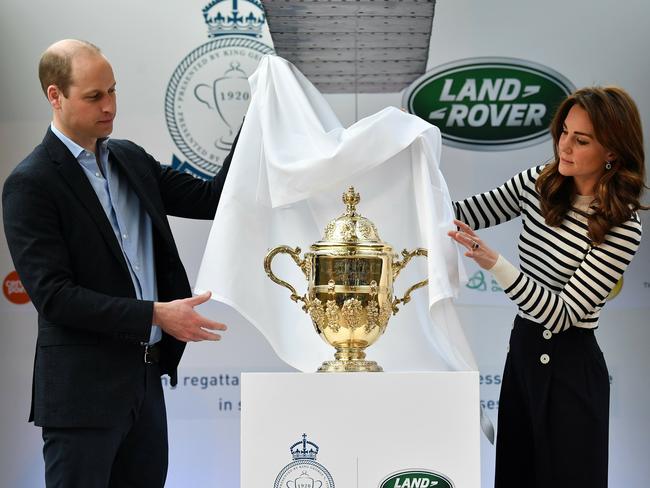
[[156, 212], [74, 176]]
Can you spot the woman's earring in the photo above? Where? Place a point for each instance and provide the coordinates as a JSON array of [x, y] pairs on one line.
[[608, 165]]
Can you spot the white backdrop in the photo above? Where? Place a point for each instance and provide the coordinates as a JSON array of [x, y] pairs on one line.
[[589, 42]]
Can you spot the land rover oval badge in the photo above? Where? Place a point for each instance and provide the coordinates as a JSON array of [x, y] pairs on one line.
[[489, 104], [416, 478]]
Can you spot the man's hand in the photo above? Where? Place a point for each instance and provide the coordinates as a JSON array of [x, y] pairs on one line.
[[179, 319], [485, 257]]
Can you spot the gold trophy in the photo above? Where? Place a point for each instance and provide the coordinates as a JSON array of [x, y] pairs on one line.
[[350, 275]]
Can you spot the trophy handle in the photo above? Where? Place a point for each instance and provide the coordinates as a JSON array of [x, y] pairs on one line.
[[398, 266], [295, 255]]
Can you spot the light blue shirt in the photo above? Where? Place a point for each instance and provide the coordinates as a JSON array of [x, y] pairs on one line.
[[129, 220]]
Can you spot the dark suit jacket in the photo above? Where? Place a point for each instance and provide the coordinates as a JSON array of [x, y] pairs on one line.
[[88, 362]]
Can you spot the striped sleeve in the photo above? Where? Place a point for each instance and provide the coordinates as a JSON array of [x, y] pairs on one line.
[[496, 206], [587, 288]]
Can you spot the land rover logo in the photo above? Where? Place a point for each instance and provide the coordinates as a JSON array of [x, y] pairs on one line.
[[419, 478], [489, 104]]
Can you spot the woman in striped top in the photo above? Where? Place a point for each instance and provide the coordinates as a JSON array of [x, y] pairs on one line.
[[580, 232]]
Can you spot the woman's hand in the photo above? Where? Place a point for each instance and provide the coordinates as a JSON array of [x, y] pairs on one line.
[[485, 257]]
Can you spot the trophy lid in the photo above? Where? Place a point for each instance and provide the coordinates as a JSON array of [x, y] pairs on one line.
[[351, 228]]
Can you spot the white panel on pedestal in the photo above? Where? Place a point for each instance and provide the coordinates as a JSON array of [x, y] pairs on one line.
[[367, 426]]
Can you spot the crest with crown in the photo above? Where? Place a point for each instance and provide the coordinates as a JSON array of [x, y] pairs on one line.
[[304, 449], [229, 17]]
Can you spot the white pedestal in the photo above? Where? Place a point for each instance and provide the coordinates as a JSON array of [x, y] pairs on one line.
[[368, 427]]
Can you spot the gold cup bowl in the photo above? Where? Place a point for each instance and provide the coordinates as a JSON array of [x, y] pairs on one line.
[[350, 275]]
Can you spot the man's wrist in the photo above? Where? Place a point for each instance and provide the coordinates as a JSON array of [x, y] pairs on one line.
[[158, 309]]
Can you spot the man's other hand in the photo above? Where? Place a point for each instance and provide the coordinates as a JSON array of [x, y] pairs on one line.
[[179, 319]]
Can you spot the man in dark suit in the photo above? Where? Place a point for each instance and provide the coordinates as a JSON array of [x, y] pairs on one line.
[[85, 219]]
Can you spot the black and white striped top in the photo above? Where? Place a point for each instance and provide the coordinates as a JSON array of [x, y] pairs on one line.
[[564, 281]]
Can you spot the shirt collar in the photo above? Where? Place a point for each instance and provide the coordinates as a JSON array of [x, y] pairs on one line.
[[72, 146]]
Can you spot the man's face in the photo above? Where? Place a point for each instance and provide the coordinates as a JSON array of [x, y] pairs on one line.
[[87, 113]]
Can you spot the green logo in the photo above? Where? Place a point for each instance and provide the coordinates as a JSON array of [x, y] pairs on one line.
[[416, 479], [489, 104], [477, 282]]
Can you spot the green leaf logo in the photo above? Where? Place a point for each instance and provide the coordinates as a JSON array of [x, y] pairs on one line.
[[489, 104]]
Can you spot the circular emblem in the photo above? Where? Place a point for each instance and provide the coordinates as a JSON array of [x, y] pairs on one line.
[[420, 478], [207, 97], [13, 289], [304, 473], [489, 104]]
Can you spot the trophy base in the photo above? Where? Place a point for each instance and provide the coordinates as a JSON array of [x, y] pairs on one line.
[[351, 366]]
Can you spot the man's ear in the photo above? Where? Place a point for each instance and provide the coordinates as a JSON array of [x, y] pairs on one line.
[[54, 96]]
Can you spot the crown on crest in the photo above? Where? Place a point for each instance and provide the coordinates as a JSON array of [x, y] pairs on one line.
[[228, 17], [304, 449]]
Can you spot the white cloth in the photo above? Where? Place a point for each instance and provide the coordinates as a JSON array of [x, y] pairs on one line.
[[293, 162]]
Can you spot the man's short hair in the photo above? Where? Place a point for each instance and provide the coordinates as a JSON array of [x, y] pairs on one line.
[[55, 66]]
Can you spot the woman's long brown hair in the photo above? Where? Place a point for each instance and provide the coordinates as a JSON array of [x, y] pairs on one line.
[[617, 127]]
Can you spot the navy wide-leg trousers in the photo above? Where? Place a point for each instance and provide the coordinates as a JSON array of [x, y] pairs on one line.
[[553, 410]]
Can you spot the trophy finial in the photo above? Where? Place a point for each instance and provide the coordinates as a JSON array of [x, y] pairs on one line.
[[351, 198]]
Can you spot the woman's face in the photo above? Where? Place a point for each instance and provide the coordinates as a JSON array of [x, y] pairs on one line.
[[581, 155]]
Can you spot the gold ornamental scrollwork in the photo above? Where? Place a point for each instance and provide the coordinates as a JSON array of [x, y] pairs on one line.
[[350, 275]]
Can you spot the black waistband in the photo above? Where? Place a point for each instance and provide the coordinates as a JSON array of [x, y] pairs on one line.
[[524, 322]]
